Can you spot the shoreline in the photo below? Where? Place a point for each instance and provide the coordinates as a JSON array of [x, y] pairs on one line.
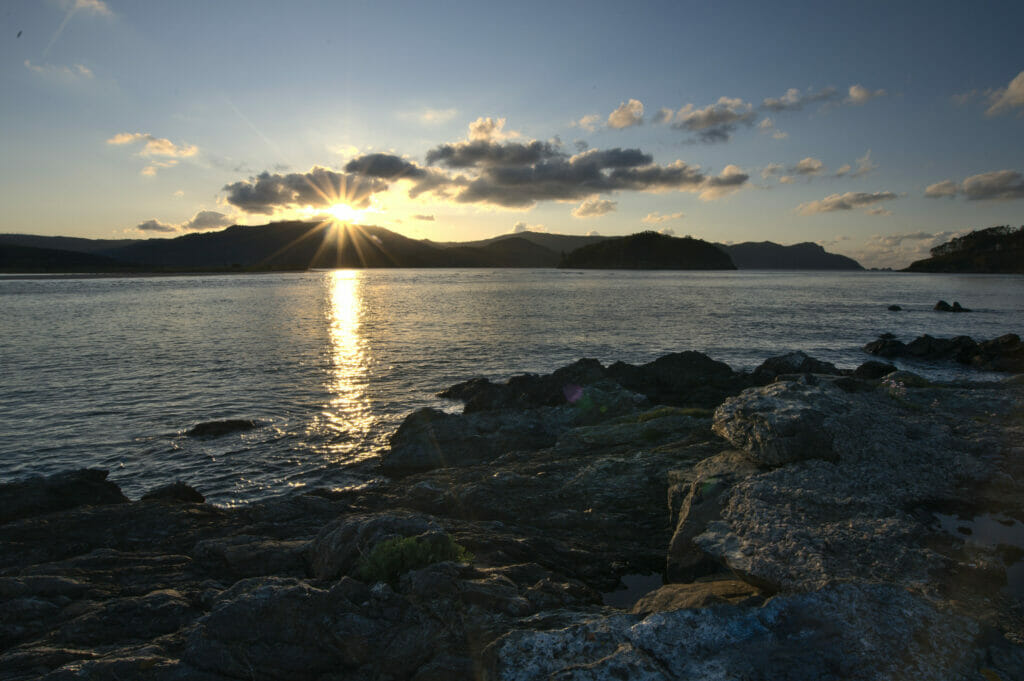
[[799, 501]]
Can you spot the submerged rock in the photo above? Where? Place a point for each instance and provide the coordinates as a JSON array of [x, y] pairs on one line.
[[222, 427]]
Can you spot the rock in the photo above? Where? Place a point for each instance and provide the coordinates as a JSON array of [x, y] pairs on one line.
[[942, 306], [886, 347], [59, 492], [222, 427], [783, 422], [840, 632], [1005, 353], [703, 505], [958, 308], [527, 391], [895, 308], [337, 548], [244, 556], [680, 379], [696, 595], [871, 370], [794, 363], [176, 492]]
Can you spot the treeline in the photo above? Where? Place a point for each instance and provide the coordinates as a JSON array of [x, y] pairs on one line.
[[996, 250]]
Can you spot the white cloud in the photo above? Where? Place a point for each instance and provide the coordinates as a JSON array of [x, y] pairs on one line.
[[864, 165], [847, 201], [808, 166], [594, 207], [628, 114], [731, 179], [715, 122], [521, 227], [858, 95], [1010, 98], [771, 170], [593, 232], [68, 74], [878, 210], [898, 250], [656, 218], [490, 129], [998, 185], [94, 6], [588, 122], [794, 100], [155, 146], [843, 170]]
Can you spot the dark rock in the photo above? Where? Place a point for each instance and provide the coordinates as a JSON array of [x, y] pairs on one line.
[[895, 308], [338, 546], [886, 347], [222, 427], [958, 308], [794, 363], [242, 556], [527, 391], [942, 306], [680, 379], [59, 492], [871, 370], [176, 492]]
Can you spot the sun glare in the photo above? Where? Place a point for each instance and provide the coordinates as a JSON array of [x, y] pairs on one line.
[[342, 212]]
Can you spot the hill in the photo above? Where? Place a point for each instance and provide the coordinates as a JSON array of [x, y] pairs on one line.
[[766, 255], [649, 251], [996, 250], [29, 259]]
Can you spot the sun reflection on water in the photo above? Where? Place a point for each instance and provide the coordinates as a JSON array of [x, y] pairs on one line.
[[347, 416]]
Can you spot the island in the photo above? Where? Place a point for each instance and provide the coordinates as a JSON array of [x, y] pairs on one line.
[[649, 251], [996, 250]]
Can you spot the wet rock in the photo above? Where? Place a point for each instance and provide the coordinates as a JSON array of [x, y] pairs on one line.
[[1005, 353], [872, 370], [59, 492], [895, 308], [942, 306], [527, 391], [793, 363], [176, 492], [221, 427], [680, 379]]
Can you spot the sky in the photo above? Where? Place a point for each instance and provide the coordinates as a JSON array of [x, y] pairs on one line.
[[876, 129]]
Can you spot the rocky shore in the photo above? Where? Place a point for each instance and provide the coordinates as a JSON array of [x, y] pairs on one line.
[[795, 522]]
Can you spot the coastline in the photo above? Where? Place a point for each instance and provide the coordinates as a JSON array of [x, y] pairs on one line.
[[795, 514]]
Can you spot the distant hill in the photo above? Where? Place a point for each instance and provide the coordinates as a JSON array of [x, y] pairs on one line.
[[996, 250], [765, 255], [29, 259], [300, 245], [649, 251]]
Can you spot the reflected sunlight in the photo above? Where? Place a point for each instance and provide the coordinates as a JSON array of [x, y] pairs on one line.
[[347, 416]]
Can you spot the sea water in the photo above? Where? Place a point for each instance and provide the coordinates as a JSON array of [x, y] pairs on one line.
[[112, 371]]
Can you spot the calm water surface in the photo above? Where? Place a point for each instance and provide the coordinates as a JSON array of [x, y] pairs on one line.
[[111, 372]]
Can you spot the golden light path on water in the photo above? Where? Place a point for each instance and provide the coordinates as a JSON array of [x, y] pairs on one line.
[[347, 416]]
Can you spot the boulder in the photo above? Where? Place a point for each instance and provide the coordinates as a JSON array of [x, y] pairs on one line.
[[176, 492], [59, 492], [895, 308], [886, 347], [793, 363], [784, 422], [680, 379], [221, 427], [871, 370], [337, 548]]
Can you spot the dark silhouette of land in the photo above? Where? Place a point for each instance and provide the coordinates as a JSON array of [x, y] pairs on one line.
[[304, 245], [649, 251], [996, 250]]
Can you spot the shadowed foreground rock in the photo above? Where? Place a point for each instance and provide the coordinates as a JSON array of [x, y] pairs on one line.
[[802, 538]]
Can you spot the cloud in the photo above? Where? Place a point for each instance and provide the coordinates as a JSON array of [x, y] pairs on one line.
[[667, 231], [521, 227], [730, 180], [899, 250], [490, 129], [384, 166], [588, 122], [593, 232], [1008, 99], [593, 207], [946, 188], [859, 95], [1000, 185], [154, 146], [425, 218], [847, 201], [67, 74], [488, 153], [628, 114], [94, 6], [771, 170], [656, 218], [808, 166], [843, 170], [202, 221], [794, 100], [180, 193], [715, 122], [431, 116], [663, 115], [319, 188], [864, 165], [878, 210]]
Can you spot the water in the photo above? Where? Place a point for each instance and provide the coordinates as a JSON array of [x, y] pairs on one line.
[[111, 372]]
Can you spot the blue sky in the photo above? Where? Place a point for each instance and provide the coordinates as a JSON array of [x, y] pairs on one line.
[[875, 129]]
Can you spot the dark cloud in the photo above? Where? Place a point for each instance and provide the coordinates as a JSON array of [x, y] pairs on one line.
[[319, 187], [384, 166], [614, 158], [847, 201], [487, 153], [155, 225], [714, 123], [795, 100]]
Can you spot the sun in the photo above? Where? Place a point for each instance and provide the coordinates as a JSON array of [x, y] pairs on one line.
[[342, 212]]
